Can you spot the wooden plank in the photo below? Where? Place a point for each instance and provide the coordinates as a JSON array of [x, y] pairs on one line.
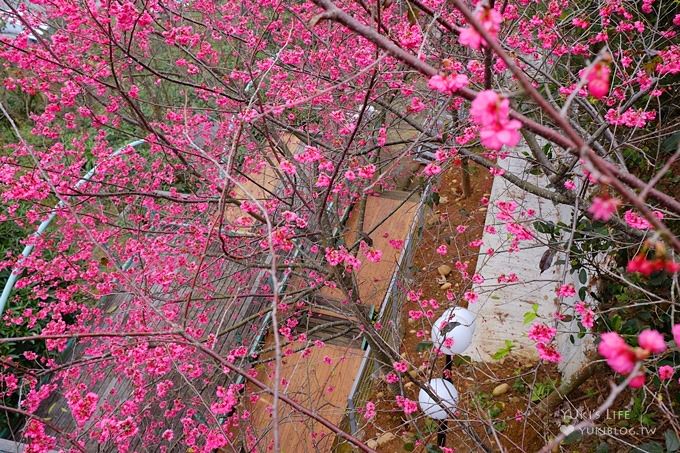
[[392, 219], [315, 385]]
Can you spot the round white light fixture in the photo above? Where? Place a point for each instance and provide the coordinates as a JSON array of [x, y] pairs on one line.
[[456, 324], [446, 392]]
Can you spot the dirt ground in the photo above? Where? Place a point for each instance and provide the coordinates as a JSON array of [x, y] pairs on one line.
[[517, 429]]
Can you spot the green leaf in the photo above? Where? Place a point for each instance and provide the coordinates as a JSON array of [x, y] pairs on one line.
[[670, 144], [432, 200], [602, 448], [646, 419], [459, 360], [504, 351], [409, 446], [672, 441], [583, 276], [529, 316], [424, 346], [582, 293], [650, 447], [518, 385], [500, 426], [544, 227], [547, 150], [495, 410], [573, 437], [431, 426]]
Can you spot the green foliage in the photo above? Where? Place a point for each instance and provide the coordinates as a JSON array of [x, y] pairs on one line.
[[531, 315], [504, 351], [542, 389], [672, 441]]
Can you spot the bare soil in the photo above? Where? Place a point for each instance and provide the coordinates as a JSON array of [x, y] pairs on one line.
[[478, 408]]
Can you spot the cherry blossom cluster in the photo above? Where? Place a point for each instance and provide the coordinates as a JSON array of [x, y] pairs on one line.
[[622, 357]]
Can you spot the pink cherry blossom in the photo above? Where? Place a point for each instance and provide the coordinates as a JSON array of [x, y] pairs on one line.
[[587, 315], [491, 112], [638, 222], [567, 290], [541, 333], [448, 84], [638, 381], [500, 133], [620, 356], [400, 367], [432, 169], [490, 19], [652, 341], [391, 378], [548, 353], [666, 372], [471, 296], [598, 80], [369, 410], [603, 208], [676, 334], [287, 167], [373, 255], [409, 406]]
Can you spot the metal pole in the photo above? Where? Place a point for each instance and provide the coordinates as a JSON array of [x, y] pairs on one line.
[[14, 275], [443, 427], [441, 434]]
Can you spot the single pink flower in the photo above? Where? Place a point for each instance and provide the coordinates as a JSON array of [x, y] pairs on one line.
[[391, 378], [666, 372], [487, 107], [603, 208], [620, 356], [400, 367], [540, 333], [548, 353], [373, 255], [287, 167], [448, 84], [495, 135], [652, 341], [598, 80], [566, 290], [490, 20], [432, 169], [369, 411], [471, 297], [469, 37], [637, 382], [676, 334]]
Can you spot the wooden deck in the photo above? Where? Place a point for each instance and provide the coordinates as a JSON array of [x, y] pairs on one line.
[[311, 380], [388, 216], [315, 384]]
